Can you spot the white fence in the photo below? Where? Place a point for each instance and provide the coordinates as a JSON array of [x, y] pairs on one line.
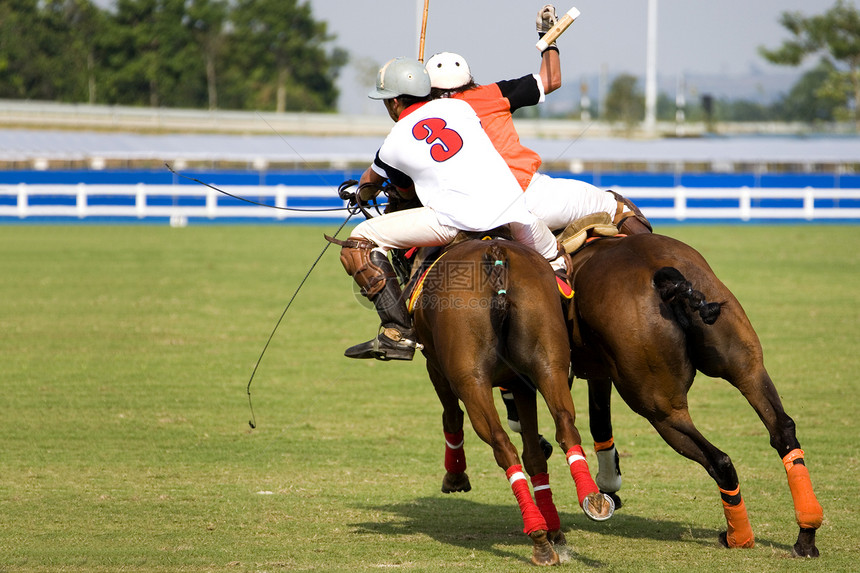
[[23, 201], [749, 203], [143, 194]]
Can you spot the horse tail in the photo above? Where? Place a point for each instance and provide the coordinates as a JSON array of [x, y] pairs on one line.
[[679, 294], [495, 265]]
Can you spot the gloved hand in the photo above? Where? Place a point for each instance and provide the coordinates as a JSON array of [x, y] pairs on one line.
[[546, 19]]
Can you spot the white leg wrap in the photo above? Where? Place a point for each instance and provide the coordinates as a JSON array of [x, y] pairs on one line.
[[608, 477]]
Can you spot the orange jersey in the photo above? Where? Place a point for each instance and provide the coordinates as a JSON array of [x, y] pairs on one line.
[[494, 104]]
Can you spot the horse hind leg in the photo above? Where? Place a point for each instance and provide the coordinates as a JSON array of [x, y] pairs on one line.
[[485, 421], [807, 510], [596, 505], [678, 430], [456, 479], [535, 461], [757, 387]]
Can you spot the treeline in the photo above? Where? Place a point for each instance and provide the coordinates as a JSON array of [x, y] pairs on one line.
[[227, 54]]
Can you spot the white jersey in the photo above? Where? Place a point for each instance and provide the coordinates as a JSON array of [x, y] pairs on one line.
[[441, 148]]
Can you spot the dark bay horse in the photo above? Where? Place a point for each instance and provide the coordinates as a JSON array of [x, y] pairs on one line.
[[488, 313], [648, 312]]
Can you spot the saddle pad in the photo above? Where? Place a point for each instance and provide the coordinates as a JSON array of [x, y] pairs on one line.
[[564, 289], [419, 285]]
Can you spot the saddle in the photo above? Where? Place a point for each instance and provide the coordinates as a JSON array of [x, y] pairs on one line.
[[574, 236], [419, 261]]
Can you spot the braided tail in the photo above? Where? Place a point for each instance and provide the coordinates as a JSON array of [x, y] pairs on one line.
[[679, 294], [496, 268]]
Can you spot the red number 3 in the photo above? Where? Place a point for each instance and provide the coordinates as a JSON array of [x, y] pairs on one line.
[[444, 142]]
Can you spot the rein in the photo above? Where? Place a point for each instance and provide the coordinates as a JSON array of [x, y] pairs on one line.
[[350, 208], [253, 421]]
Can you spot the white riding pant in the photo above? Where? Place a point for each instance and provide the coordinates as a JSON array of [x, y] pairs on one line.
[[420, 227], [558, 201]]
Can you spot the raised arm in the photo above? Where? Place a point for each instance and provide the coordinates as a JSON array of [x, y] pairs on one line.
[[550, 65]]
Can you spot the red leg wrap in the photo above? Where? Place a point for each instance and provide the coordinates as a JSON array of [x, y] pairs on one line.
[[739, 531], [807, 510], [532, 518], [585, 485], [543, 498], [455, 456]]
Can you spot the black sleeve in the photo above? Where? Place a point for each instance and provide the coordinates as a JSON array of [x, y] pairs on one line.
[[397, 177], [521, 92]]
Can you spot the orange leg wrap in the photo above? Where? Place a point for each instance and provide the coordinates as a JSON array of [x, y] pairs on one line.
[[807, 510], [600, 446], [739, 532]]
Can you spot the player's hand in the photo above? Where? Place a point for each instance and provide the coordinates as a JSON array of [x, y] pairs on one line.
[[546, 19]]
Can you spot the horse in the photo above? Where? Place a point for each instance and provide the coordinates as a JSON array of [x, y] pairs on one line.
[[647, 314], [488, 313]]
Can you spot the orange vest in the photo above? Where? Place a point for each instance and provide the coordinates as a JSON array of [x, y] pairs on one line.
[[494, 110]]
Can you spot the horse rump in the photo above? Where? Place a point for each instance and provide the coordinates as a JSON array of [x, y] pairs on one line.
[[678, 293]]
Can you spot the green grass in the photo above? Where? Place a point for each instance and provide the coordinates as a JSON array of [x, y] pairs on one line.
[[124, 355]]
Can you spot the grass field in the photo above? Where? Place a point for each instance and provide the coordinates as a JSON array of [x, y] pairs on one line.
[[126, 447]]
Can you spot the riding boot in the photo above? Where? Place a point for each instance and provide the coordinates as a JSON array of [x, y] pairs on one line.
[[632, 225], [396, 338]]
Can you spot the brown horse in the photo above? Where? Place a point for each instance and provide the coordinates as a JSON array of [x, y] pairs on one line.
[[676, 318], [488, 314]]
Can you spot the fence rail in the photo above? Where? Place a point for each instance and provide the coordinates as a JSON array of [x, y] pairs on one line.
[[180, 203]]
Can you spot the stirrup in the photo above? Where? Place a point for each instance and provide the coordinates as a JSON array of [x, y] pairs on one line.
[[385, 347]]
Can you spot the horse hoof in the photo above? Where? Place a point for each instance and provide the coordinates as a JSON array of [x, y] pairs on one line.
[[598, 506], [542, 553], [805, 546], [615, 499], [455, 482], [556, 537], [724, 541]]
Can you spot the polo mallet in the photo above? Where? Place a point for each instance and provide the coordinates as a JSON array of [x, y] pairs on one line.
[[558, 29], [423, 31]]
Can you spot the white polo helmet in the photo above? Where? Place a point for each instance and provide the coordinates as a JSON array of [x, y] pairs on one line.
[[401, 76], [448, 71]]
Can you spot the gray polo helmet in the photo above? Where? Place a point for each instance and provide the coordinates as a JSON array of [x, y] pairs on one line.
[[401, 76]]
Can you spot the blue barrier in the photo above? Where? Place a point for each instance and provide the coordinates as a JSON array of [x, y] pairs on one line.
[[153, 195]]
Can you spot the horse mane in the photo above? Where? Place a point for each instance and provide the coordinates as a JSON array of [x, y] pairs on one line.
[[675, 290]]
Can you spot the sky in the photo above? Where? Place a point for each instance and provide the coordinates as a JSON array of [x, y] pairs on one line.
[[497, 37]]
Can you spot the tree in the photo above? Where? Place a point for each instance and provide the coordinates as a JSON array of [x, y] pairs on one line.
[[18, 33], [85, 23], [807, 101], [207, 20], [624, 102], [278, 49], [35, 55], [833, 35], [247, 54]]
